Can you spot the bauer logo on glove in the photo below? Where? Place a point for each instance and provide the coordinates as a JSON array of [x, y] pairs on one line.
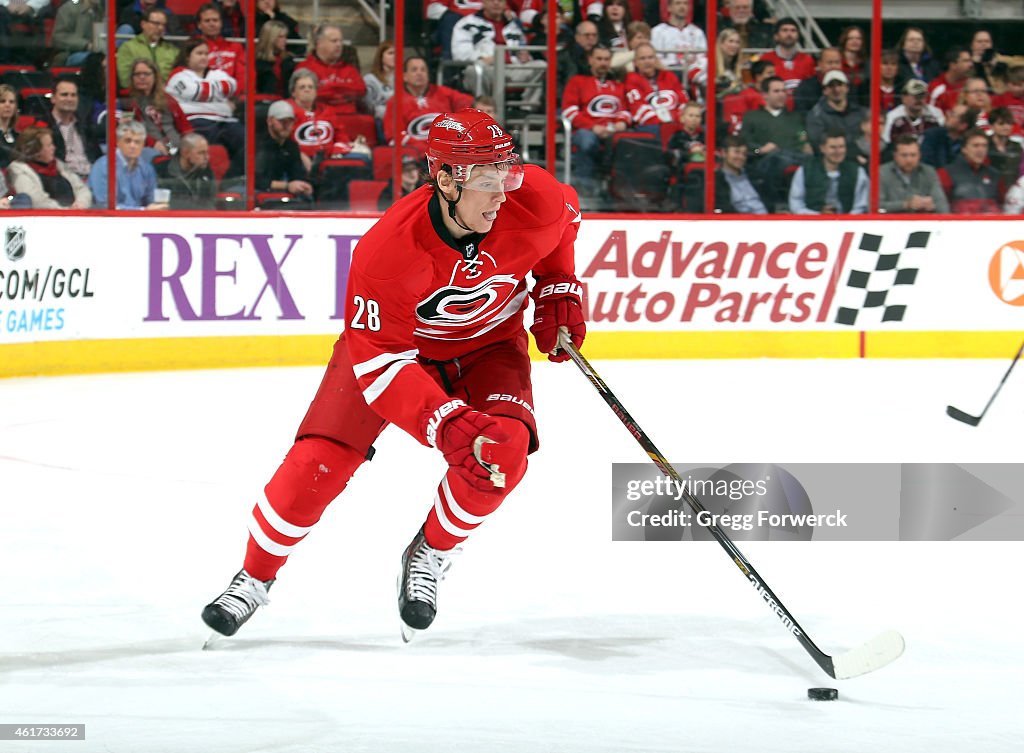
[[559, 305]]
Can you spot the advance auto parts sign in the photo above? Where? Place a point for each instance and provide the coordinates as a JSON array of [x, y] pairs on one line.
[[775, 274]]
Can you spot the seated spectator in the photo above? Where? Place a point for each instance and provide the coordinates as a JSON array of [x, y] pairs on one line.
[[988, 64], [860, 148], [829, 183], [916, 59], [889, 70], [135, 178], [728, 66], [734, 193], [653, 94], [46, 180], [852, 48], [274, 63], [486, 104], [613, 24], [1015, 198], [270, 10], [22, 37], [225, 56], [1005, 146], [187, 175], [679, 42], [940, 145], [341, 86], [574, 59], [279, 166], [753, 33], [149, 45], [447, 13], [593, 126], [232, 19], [777, 138], [8, 123], [972, 185], [160, 115], [944, 89], [1013, 98], [11, 200], [834, 111], [914, 116], [73, 134], [425, 102], [412, 178], [205, 95], [687, 144], [72, 31], [810, 91], [473, 41], [975, 95], [637, 33], [791, 65], [908, 185], [129, 21], [749, 98], [318, 131], [380, 82]]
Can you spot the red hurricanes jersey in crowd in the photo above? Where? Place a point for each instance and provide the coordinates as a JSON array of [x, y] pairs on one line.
[[651, 104], [318, 130], [1011, 103], [341, 87], [418, 113], [587, 101], [792, 71], [410, 293], [228, 57]]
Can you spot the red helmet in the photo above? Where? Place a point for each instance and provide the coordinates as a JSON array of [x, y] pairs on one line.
[[468, 138]]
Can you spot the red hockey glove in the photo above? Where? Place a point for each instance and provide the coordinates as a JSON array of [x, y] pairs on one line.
[[559, 303], [458, 432]]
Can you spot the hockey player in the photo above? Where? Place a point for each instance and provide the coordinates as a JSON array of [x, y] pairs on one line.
[[434, 343]]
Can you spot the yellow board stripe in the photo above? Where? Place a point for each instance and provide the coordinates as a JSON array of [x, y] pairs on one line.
[[167, 354]]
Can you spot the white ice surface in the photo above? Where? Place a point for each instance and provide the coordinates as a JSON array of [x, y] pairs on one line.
[[124, 500]]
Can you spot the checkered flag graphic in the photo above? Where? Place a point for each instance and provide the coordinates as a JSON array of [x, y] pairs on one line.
[[880, 281]]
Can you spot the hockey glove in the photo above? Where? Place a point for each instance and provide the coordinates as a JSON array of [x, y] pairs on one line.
[[559, 303], [460, 436]]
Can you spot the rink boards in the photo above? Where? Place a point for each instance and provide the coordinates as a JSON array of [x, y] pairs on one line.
[[88, 293]]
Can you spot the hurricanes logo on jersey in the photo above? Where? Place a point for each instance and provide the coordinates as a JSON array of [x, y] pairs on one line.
[[604, 106], [315, 133], [452, 309], [664, 98], [419, 126]]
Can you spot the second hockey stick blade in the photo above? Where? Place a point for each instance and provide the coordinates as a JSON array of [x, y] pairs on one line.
[[970, 420]]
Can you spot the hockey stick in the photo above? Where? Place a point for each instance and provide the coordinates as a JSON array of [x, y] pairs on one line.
[[970, 420], [874, 654]]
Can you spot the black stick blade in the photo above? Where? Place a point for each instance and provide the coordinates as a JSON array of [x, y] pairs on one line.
[[959, 415]]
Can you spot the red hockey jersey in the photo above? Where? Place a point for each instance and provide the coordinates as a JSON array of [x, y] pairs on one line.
[[316, 131], [653, 104], [587, 101], [411, 291], [418, 113], [794, 70], [228, 57], [341, 87]]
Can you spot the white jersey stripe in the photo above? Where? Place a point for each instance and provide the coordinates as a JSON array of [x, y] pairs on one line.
[[382, 382], [266, 543], [382, 360], [278, 523]]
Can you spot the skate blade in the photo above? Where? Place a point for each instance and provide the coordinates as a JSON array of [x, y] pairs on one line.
[[215, 641], [408, 633]]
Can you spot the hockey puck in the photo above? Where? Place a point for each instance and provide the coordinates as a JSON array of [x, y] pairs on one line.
[[822, 694]]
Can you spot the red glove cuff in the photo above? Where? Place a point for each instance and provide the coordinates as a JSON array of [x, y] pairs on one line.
[[559, 303]]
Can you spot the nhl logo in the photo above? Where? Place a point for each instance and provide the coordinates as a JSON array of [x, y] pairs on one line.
[[14, 243]]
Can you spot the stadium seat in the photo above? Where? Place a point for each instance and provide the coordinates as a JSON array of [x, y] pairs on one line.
[[219, 161], [383, 159], [356, 125], [281, 200], [36, 101], [230, 201], [363, 195], [334, 176], [65, 70]]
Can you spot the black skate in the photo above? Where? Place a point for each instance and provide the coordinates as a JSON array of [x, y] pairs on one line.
[[238, 603], [423, 567]]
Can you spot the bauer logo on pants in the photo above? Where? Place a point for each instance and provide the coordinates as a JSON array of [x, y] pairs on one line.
[[14, 243]]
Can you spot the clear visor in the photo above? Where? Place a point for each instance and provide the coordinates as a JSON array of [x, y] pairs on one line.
[[495, 177]]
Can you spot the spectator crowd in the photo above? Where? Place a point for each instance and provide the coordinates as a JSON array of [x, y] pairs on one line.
[[638, 85]]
